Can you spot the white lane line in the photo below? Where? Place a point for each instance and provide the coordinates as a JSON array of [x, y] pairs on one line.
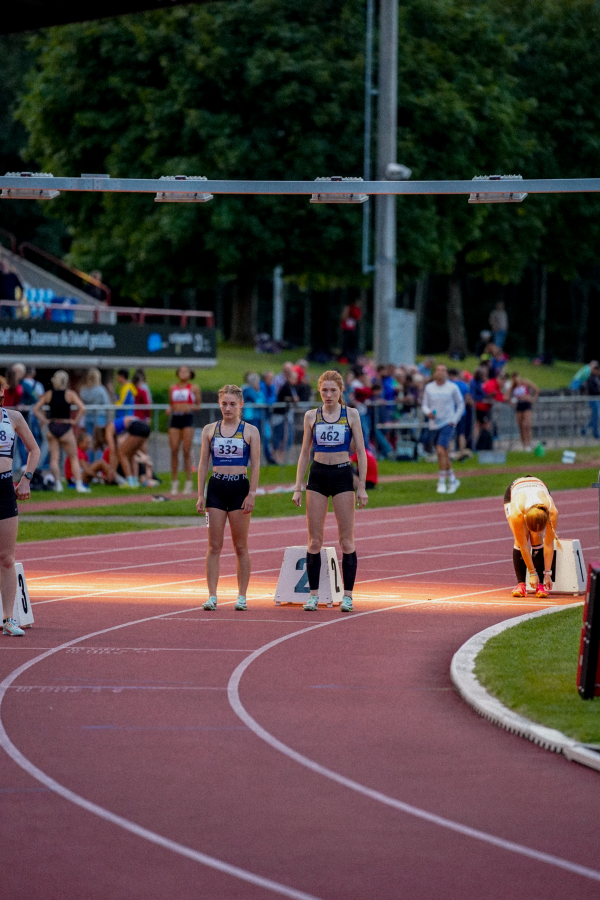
[[441, 821], [370, 537], [108, 816], [441, 514]]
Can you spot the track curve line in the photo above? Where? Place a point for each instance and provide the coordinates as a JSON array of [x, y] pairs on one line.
[[15, 754], [462, 672], [465, 830]]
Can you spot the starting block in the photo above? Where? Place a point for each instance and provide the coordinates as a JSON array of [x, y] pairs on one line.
[[292, 586], [568, 569], [22, 611]]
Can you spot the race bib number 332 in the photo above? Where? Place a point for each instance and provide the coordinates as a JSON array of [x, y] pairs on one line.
[[229, 448]]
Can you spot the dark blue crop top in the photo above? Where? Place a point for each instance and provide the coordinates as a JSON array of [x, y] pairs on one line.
[[331, 437], [229, 451]]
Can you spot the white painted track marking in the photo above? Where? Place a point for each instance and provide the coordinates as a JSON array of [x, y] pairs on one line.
[[108, 816], [441, 821]]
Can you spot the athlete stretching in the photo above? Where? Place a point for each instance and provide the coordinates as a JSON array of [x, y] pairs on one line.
[[231, 444], [329, 430], [532, 516]]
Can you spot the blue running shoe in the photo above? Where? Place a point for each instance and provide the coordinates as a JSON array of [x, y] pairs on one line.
[[241, 603], [210, 604], [312, 604], [346, 605]]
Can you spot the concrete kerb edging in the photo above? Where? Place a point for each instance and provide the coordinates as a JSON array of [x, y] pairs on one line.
[[462, 671]]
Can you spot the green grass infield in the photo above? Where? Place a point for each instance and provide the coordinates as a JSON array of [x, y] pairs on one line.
[[45, 531], [532, 669]]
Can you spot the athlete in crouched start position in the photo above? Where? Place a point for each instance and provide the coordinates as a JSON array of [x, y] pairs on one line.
[[329, 430], [532, 516], [231, 444]]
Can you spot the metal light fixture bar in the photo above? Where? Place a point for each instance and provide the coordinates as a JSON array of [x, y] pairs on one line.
[[182, 196], [499, 197], [155, 185], [330, 197], [30, 192]]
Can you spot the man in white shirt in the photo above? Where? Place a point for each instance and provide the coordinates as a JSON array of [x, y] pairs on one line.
[[444, 406]]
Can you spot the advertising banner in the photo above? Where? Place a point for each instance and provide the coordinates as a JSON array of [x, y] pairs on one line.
[[69, 344]]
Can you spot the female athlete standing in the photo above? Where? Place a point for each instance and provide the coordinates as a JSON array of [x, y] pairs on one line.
[[12, 423], [329, 430], [532, 517], [184, 400], [231, 444]]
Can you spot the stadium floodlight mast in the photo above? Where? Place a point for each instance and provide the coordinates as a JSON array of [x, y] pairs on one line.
[[193, 196], [338, 198]]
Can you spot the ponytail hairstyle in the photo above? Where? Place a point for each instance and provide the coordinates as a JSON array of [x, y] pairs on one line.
[[537, 518]]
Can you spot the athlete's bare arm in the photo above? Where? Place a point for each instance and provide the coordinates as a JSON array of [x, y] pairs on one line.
[[303, 460], [33, 451], [207, 434], [361, 457], [252, 436]]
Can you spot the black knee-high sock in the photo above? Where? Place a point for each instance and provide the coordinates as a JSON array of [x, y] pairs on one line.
[[313, 570], [520, 567], [349, 564], [537, 555]]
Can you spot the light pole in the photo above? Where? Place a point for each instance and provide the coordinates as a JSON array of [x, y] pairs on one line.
[[385, 205]]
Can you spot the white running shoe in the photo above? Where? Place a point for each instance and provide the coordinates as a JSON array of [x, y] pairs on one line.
[[58, 486], [174, 487], [453, 486], [441, 486], [81, 488], [10, 627], [187, 488]]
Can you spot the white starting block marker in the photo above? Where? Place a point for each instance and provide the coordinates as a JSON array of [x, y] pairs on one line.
[[292, 586], [569, 571], [22, 611]]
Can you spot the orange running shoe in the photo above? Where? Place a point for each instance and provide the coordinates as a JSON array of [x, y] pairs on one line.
[[520, 590], [541, 591]]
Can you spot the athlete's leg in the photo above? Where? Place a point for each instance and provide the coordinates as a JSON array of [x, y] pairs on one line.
[[54, 451], [69, 445], [8, 578], [239, 522], [174, 439], [188, 461], [316, 510], [216, 530], [526, 428], [343, 507]]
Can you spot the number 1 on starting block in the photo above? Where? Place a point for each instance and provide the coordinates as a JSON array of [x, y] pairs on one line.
[[292, 586]]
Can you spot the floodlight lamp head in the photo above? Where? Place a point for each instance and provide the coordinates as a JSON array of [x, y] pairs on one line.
[[397, 172], [497, 197], [189, 196], [338, 198], [28, 193]]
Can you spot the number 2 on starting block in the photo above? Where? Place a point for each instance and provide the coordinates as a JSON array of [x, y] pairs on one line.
[[22, 612], [292, 586]]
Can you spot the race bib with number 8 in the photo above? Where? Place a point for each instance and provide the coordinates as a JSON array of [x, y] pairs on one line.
[[329, 435], [229, 448]]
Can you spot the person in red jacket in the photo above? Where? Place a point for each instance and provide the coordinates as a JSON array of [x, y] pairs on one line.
[[372, 475]]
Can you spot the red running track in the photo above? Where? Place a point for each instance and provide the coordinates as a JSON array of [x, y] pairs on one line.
[[278, 753]]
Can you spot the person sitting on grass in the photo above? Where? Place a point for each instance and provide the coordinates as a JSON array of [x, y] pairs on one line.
[[100, 469], [124, 438]]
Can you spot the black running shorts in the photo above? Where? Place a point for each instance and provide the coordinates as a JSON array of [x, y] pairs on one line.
[[330, 480], [8, 497], [226, 492]]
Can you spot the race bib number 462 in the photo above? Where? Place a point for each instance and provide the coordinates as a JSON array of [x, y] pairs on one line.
[[229, 448], [329, 435]]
